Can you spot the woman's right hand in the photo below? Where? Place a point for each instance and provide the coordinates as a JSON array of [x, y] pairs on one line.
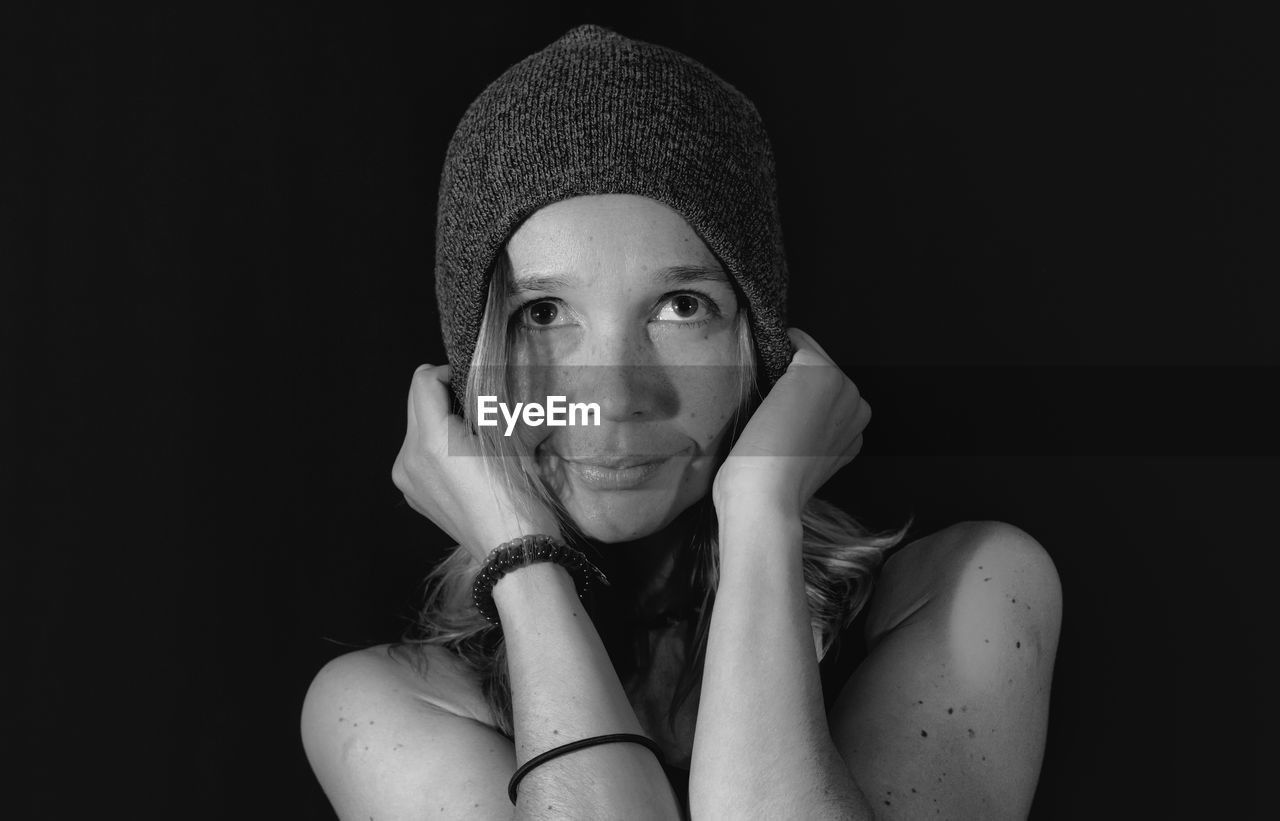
[[443, 476]]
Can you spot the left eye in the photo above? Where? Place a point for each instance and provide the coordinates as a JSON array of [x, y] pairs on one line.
[[683, 307]]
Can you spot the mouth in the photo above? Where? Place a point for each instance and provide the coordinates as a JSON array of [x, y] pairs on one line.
[[617, 473], [618, 463]]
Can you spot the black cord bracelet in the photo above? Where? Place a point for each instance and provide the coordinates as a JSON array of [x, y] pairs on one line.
[[543, 758]]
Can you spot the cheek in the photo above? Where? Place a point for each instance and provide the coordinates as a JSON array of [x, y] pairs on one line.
[[709, 402], [535, 356]]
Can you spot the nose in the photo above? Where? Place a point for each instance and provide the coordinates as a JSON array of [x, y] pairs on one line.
[[620, 370]]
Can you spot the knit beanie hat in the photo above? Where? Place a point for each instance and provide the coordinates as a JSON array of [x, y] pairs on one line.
[[599, 113]]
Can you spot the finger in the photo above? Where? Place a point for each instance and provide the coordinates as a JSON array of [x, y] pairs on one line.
[[862, 415], [420, 372], [439, 373], [802, 340], [857, 425], [417, 508], [854, 449], [428, 396]]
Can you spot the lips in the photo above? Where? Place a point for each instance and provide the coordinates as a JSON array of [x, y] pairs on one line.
[[605, 478], [618, 463], [605, 472]]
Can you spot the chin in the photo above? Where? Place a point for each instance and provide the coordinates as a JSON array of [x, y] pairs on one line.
[[626, 515]]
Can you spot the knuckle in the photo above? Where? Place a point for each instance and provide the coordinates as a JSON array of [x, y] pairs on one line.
[[422, 375], [804, 356], [847, 402]]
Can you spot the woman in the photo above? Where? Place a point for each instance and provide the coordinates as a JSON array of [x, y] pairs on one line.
[[608, 233]]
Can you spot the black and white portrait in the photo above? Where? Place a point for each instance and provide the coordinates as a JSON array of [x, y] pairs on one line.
[[666, 412]]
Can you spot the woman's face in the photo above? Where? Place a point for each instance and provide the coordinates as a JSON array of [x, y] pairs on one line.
[[616, 301]]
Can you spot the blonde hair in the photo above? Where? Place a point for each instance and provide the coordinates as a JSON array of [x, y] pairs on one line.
[[841, 557]]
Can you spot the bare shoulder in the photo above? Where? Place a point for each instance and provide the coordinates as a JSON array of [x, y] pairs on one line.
[[949, 710], [393, 735], [964, 566]]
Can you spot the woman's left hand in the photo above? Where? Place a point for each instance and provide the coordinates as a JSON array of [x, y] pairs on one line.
[[807, 428]]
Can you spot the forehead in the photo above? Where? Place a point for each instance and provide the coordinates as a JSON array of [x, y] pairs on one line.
[[606, 229]]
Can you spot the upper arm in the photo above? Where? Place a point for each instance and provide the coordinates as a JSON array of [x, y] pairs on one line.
[[948, 713], [381, 750]]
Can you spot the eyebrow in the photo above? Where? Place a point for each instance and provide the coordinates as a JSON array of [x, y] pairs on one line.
[[672, 275]]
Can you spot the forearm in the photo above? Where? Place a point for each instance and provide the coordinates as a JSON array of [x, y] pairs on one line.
[[762, 747], [564, 688]]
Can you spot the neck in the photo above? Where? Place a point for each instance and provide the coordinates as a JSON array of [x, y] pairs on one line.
[[652, 573]]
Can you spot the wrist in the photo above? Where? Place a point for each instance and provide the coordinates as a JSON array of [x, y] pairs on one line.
[[522, 553], [537, 599], [747, 526], [531, 582], [751, 511], [501, 531]]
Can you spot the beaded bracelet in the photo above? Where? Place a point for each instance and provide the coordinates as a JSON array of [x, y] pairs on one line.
[[525, 551]]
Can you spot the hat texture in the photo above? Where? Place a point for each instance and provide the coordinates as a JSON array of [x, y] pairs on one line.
[[596, 112]]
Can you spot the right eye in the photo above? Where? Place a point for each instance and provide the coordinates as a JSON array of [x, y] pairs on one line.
[[538, 314]]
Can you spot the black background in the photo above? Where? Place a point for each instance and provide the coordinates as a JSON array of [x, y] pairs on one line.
[[1034, 241]]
